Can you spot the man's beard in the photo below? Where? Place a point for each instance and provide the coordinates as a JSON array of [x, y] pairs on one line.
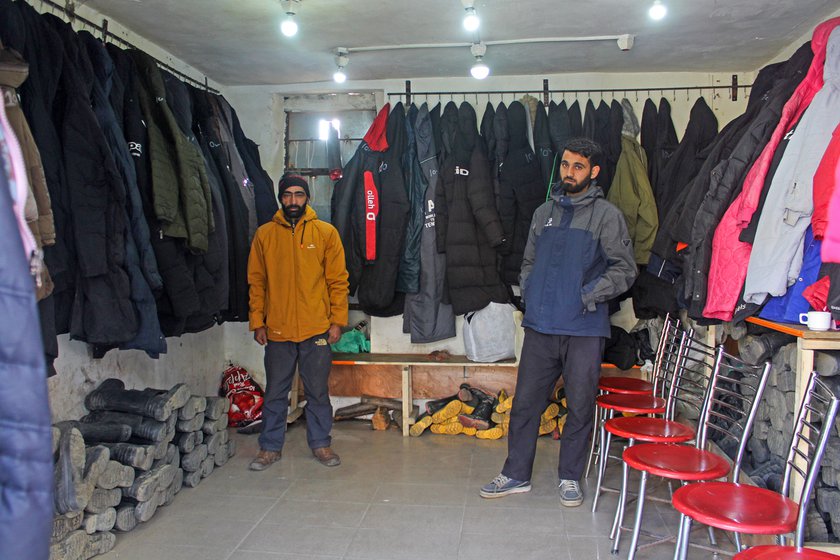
[[294, 211], [574, 188]]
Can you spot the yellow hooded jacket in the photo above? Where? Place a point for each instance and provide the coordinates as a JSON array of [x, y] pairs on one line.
[[297, 278]]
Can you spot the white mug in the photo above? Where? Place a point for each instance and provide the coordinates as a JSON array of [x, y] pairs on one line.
[[816, 320]]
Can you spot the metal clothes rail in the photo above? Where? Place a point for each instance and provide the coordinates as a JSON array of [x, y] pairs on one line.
[[69, 9], [546, 92]]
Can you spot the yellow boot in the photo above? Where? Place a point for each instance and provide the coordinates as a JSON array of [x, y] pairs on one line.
[[546, 427], [551, 411], [450, 428], [505, 402], [499, 417], [495, 432], [420, 425], [451, 410], [469, 431]]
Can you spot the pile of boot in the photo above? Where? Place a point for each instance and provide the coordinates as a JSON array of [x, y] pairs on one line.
[[552, 419], [475, 412], [466, 412], [125, 458]]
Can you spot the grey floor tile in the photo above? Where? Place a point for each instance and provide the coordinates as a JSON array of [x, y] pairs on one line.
[[387, 544], [301, 513], [253, 555], [502, 520], [409, 518], [268, 537], [332, 490], [511, 545], [165, 552], [433, 494]]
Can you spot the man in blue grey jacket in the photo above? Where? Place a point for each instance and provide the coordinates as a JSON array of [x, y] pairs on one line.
[[578, 256]]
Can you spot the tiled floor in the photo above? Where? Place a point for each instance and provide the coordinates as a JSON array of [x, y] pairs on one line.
[[392, 498]]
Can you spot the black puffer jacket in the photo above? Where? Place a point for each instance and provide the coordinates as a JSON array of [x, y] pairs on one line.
[[522, 191], [575, 120], [468, 225], [348, 204], [205, 122], [408, 281], [103, 312], [647, 139], [665, 144], [140, 266], [542, 145], [378, 286]]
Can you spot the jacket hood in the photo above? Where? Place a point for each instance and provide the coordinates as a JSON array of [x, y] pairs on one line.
[[819, 44], [13, 69], [575, 119], [517, 126], [631, 122], [375, 137], [666, 134], [437, 135], [448, 127], [488, 136], [12, 27], [103, 66], [702, 124], [831, 71], [149, 72], [395, 133], [566, 201], [467, 134], [308, 215]]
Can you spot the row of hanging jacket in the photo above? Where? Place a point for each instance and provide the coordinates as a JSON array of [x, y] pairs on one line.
[[434, 208], [146, 192], [744, 233]]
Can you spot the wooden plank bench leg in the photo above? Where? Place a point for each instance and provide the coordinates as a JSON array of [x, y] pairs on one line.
[[407, 400]]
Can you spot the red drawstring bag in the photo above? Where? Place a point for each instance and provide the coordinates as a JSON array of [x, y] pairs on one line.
[[246, 397]]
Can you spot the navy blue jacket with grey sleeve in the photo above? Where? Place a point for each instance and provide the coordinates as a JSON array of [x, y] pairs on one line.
[[578, 256]]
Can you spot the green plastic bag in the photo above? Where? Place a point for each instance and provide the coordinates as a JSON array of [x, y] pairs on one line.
[[352, 342]]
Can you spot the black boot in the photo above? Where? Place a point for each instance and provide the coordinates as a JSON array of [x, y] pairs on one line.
[[112, 395], [480, 417], [437, 404]]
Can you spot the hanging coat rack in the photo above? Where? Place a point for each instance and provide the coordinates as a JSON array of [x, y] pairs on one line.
[[69, 10], [547, 92]]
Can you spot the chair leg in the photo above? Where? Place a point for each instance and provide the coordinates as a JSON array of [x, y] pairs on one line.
[[712, 539], [618, 521], [603, 453], [622, 498], [738, 545], [640, 508], [685, 531], [592, 451]]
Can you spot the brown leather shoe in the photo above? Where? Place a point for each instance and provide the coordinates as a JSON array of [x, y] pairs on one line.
[[327, 456], [264, 460]]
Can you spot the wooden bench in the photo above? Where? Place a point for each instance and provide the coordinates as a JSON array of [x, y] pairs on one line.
[[407, 362]]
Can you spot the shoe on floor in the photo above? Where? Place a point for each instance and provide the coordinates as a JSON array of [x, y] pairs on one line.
[[264, 460], [502, 486], [570, 493], [326, 456]]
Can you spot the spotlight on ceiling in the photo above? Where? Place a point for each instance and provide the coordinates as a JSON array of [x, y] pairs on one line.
[[341, 60], [471, 20], [658, 10], [479, 70], [289, 26]]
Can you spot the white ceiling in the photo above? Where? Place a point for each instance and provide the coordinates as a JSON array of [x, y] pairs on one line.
[[238, 42]]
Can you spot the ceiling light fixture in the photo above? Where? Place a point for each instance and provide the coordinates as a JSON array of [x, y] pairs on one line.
[[658, 10], [341, 60], [479, 70], [471, 20], [289, 27]]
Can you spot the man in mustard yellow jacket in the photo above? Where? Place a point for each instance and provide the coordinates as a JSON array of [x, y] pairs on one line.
[[298, 304]]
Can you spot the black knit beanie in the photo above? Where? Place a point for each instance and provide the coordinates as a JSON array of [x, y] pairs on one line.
[[290, 180]]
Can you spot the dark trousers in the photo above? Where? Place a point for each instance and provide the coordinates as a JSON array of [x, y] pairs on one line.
[[315, 358], [543, 359]]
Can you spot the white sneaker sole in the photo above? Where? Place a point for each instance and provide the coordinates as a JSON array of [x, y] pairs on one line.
[[517, 490]]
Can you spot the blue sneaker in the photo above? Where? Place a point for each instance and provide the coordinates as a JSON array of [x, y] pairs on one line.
[[502, 486], [570, 493]]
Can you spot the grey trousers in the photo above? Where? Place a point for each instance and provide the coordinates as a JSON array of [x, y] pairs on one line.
[[543, 359], [314, 357]]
